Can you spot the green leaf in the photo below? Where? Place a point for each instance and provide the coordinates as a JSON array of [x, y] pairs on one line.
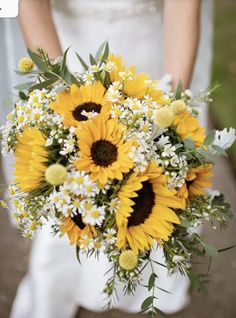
[[151, 281], [78, 253], [147, 303], [67, 76], [50, 75], [226, 249], [22, 95], [178, 91], [160, 264], [219, 150], [210, 138], [24, 86], [211, 250], [43, 84], [74, 80], [164, 290], [92, 60], [188, 142], [37, 60], [209, 265], [105, 54], [204, 154], [99, 51], [85, 66], [185, 223], [197, 283], [63, 65], [161, 313]]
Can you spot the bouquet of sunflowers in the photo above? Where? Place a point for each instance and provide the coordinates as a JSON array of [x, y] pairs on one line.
[[117, 164]]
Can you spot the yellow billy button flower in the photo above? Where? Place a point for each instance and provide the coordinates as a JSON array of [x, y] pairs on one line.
[[26, 65], [178, 107], [165, 117], [55, 174], [128, 260]]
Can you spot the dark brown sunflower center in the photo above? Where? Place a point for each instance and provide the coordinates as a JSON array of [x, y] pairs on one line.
[[189, 183], [104, 153], [77, 219], [144, 203], [88, 107]]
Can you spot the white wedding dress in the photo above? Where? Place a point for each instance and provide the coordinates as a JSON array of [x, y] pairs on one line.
[[56, 284]]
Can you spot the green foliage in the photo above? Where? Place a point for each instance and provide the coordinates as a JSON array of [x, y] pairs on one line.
[[210, 138], [178, 91], [224, 70]]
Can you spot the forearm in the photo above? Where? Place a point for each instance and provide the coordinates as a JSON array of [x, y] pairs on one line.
[[181, 35], [37, 26]]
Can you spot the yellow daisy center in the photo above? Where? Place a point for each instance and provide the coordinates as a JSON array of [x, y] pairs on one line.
[[104, 153], [88, 107], [143, 205]]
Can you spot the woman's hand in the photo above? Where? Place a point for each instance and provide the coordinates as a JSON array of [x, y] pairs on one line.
[[37, 26], [181, 35]]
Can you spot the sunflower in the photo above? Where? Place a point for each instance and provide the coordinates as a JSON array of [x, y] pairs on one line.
[[75, 228], [187, 126], [145, 213], [137, 87], [141, 85], [88, 98], [31, 156], [198, 179], [103, 151], [182, 193], [120, 67]]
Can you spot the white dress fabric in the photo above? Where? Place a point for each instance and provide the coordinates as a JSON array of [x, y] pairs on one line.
[[56, 284]]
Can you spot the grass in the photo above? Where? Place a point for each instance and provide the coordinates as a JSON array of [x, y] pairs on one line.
[[223, 110]]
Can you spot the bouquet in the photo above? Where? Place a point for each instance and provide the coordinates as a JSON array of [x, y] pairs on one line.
[[116, 164]]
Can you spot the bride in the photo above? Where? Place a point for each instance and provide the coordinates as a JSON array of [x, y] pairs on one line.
[[158, 37]]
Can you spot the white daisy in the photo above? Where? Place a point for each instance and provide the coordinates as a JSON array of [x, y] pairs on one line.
[[94, 216], [110, 236]]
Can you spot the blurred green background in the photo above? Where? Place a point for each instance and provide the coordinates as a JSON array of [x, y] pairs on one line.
[[223, 110]]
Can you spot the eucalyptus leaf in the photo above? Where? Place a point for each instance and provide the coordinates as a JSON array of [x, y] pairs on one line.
[[219, 150], [210, 138], [188, 142], [204, 153], [211, 250]]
